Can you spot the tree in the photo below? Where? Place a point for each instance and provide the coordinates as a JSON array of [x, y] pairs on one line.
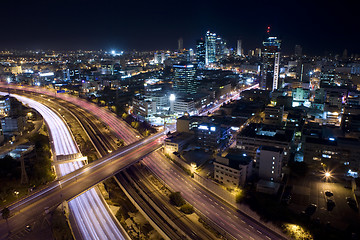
[[5, 215], [176, 199], [187, 208]]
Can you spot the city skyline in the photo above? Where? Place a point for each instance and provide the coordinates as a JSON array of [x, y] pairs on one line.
[[318, 27]]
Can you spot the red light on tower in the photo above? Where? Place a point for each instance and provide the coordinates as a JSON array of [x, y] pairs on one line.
[[268, 29]]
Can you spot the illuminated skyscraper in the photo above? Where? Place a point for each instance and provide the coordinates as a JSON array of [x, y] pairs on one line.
[[210, 47], [200, 52], [159, 58], [271, 63], [220, 48], [239, 48], [184, 80]]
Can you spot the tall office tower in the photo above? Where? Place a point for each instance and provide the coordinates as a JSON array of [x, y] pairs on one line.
[[191, 55], [251, 53], [257, 52], [239, 49], [180, 44], [159, 58], [210, 48], [298, 51], [220, 48], [271, 63], [184, 79], [200, 52]]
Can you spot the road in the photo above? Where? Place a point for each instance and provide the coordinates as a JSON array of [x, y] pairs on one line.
[[87, 203], [104, 144], [234, 222], [218, 105], [141, 177], [92, 226]]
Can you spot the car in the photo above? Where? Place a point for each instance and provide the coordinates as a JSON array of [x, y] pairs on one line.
[[310, 210], [352, 203], [330, 204], [28, 228], [329, 193]]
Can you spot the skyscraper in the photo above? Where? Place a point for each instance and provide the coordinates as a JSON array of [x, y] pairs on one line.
[[210, 48], [180, 44], [220, 47], [200, 52], [298, 51], [159, 57], [184, 81], [239, 49], [271, 63]]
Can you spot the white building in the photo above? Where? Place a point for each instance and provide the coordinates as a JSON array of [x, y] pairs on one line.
[[233, 170]]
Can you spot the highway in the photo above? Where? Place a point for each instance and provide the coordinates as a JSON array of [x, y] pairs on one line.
[[236, 223], [104, 144], [88, 203], [140, 176], [73, 184]]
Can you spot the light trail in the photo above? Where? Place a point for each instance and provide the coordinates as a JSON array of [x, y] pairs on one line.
[[89, 212], [234, 97]]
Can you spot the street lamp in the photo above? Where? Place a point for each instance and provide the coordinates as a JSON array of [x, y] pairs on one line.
[[327, 174]]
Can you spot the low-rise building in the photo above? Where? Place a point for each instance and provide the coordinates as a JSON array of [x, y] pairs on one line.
[[233, 170], [176, 142], [12, 125], [343, 151], [256, 135], [274, 114]]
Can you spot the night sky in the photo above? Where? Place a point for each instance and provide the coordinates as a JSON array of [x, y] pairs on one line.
[[317, 25]]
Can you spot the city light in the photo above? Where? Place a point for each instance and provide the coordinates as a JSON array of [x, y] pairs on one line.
[[172, 97]]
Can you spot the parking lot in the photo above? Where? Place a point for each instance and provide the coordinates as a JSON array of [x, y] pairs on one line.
[[311, 190]]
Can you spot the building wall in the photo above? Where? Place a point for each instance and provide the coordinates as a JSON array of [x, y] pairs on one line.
[[270, 164], [250, 145]]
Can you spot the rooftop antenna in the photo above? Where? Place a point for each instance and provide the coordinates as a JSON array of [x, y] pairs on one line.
[[268, 30]]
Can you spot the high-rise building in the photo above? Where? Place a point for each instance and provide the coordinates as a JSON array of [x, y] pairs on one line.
[[200, 52], [271, 63], [258, 52], [239, 48], [184, 81], [220, 47], [180, 44], [298, 51], [210, 48], [159, 58], [270, 163]]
